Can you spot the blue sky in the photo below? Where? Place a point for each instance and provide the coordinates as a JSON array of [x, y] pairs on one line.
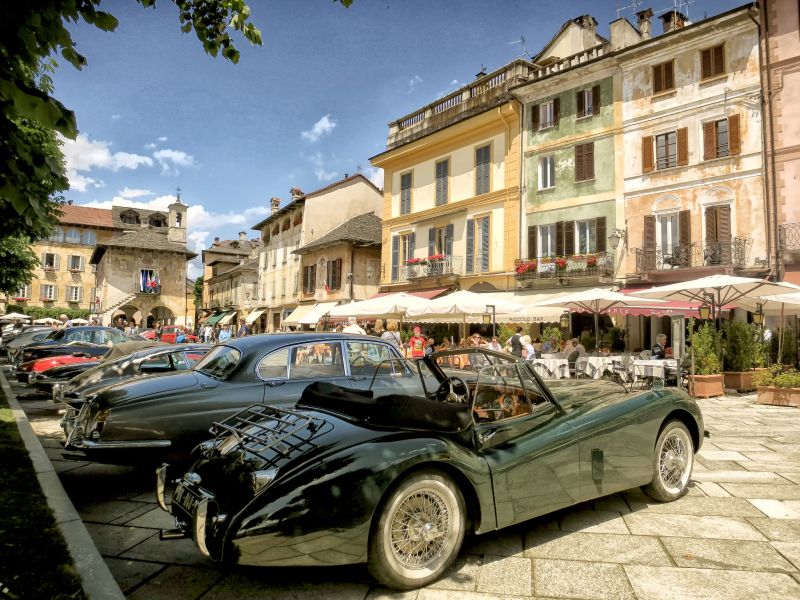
[[313, 103]]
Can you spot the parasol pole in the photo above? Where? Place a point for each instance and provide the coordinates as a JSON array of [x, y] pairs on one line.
[[780, 336], [596, 332]]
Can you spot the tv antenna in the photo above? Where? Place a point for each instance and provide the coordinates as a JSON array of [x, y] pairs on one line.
[[682, 6], [522, 40], [632, 4]]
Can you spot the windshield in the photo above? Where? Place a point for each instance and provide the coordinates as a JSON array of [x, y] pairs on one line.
[[468, 360], [219, 362], [402, 376]]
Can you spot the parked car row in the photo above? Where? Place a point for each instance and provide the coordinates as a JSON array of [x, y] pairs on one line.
[[337, 446]]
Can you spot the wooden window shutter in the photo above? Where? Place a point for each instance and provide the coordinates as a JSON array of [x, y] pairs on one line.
[[723, 223], [596, 99], [600, 234], [588, 157], [579, 173], [711, 224], [649, 232], [705, 62], [580, 98], [669, 80], [734, 139], [533, 230], [338, 273], [556, 111], [718, 59], [431, 241], [569, 238], [658, 79], [395, 256], [329, 274], [683, 146], [647, 154], [560, 238], [448, 240], [485, 244], [709, 141], [535, 117], [57, 261], [470, 267], [80, 294], [412, 243], [685, 227]]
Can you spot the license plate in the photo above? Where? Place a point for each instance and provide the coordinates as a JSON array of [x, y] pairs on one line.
[[185, 498]]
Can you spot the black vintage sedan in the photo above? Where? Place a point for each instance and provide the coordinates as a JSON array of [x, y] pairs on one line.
[[88, 341], [155, 360], [153, 419], [397, 481]]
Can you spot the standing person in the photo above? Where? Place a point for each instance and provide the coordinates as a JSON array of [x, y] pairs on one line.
[[243, 330], [391, 335], [225, 334], [528, 351], [494, 344], [353, 327], [159, 330], [416, 343], [515, 342], [208, 333], [379, 329]]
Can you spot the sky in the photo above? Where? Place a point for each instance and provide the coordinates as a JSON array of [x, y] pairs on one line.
[[312, 104]]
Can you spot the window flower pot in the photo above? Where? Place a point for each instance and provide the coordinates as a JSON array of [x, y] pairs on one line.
[[741, 381], [21, 299], [778, 396], [706, 386]]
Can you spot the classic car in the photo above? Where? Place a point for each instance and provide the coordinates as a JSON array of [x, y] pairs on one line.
[[89, 340], [397, 481], [28, 371], [152, 419], [29, 336], [170, 335], [155, 360], [14, 330]]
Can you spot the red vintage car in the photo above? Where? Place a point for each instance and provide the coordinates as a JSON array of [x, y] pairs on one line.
[[169, 335], [25, 370]]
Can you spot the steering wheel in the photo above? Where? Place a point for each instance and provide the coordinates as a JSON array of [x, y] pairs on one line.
[[445, 390], [355, 361]]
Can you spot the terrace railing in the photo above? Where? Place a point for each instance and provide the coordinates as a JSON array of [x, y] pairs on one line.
[[600, 264], [789, 236], [449, 265], [696, 254]]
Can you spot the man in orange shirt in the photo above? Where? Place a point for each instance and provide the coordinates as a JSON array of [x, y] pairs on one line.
[[417, 343]]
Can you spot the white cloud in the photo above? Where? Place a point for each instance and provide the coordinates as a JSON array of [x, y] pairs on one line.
[[412, 83], [452, 87], [150, 146], [323, 175], [162, 139], [170, 160], [134, 192], [320, 171], [115, 117], [324, 126], [82, 155], [375, 175]]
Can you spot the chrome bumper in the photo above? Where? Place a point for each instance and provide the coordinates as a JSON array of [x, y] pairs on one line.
[[117, 445], [198, 511]]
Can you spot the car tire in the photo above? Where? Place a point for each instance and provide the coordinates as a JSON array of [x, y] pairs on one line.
[[673, 460], [419, 531]]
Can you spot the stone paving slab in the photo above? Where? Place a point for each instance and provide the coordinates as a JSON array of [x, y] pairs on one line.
[[596, 547], [765, 491], [740, 477], [505, 575], [701, 506], [778, 509], [712, 527], [782, 530], [726, 554], [790, 550], [574, 579], [177, 582]]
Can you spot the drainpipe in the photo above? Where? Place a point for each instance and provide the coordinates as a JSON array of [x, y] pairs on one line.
[[770, 184]]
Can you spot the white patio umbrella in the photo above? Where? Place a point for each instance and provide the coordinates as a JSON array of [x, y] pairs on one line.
[[79, 321], [390, 306], [9, 317], [464, 307], [45, 321], [595, 301], [780, 305]]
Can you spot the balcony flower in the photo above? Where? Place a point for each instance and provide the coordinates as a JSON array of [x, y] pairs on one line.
[[578, 258], [49, 268], [526, 267], [546, 260], [561, 263], [436, 257], [416, 261], [591, 260], [21, 299]]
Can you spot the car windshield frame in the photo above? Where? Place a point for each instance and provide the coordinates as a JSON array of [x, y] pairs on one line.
[[217, 364], [396, 368]]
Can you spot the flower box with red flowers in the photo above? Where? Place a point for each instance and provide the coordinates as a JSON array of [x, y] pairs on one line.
[[436, 257], [591, 260], [415, 261], [45, 299], [21, 299], [561, 263], [526, 267], [74, 270]]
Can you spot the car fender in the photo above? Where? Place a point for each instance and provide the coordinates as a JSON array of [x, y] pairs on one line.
[[347, 488]]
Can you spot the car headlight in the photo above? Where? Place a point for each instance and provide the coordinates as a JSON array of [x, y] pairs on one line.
[[98, 423], [261, 479], [32, 377]]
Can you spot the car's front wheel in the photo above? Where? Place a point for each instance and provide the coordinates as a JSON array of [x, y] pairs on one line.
[[672, 463], [419, 531]]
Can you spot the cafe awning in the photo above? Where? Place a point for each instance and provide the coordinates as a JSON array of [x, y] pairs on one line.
[[297, 314], [214, 319], [308, 314], [254, 314], [227, 317]]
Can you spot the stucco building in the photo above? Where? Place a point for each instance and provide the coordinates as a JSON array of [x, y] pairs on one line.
[[230, 280], [141, 270], [452, 189], [304, 219], [65, 276]]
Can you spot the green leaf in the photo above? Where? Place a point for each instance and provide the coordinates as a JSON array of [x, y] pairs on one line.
[[105, 21]]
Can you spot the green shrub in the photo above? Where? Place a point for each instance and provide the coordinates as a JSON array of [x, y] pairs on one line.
[[551, 332], [742, 345], [776, 376], [705, 344], [39, 312], [789, 353], [588, 341]]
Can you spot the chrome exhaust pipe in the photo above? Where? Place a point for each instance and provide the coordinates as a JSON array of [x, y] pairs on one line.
[[171, 534]]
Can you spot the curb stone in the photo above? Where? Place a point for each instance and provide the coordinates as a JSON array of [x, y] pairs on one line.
[[96, 578]]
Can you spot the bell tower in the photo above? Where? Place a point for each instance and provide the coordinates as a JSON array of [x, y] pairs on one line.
[[177, 220]]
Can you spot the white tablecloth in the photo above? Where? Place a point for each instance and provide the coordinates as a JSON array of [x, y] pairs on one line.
[[558, 366], [600, 364], [652, 368]]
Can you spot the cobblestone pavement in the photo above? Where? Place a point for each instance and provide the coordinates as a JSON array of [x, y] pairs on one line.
[[735, 535]]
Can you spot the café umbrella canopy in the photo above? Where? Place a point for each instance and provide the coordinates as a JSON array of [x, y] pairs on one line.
[[595, 301], [14, 317], [79, 321], [464, 306], [46, 321], [390, 306]]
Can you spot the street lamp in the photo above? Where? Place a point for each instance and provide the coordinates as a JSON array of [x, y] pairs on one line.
[[490, 318], [617, 235], [704, 311], [564, 320], [758, 315]]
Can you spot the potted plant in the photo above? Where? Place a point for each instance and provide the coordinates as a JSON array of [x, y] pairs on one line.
[[777, 386], [526, 268], [561, 263], [20, 299], [591, 260], [741, 354], [707, 379]]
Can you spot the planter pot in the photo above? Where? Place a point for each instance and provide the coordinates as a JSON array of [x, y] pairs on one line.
[[706, 386], [778, 396], [741, 381]]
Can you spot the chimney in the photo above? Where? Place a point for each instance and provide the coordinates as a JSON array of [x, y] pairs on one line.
[[643, 23], [296, 193], [673, 20], [242, 236], [587, 22], [276, 204], [346, 175], [216, 241]]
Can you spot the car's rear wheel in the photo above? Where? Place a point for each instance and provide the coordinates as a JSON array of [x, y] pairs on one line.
[[419, 531], [672, 463]]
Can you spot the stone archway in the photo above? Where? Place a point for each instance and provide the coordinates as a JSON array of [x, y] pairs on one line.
[[128, 312], [160, 313]]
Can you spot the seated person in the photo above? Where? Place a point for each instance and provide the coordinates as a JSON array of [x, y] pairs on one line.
[[576, 345], [659, 349], [551, 346]]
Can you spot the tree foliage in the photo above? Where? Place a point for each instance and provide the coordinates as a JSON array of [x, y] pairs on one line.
[[17, 262], [198, 291]]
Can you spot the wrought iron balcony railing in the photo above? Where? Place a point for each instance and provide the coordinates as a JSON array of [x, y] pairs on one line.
[[696, 254], [448, 265], [789, 236], [600, 264]]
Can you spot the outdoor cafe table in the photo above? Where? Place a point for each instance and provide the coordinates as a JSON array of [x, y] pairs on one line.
[[597, 365], [559, 367], [652, 368]]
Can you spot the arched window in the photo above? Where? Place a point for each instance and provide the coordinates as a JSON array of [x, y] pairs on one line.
[[130, 218], [178, 219], [89, 238], [157, 220]]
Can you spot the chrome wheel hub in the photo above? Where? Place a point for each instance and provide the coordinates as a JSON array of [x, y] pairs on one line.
[[673, 461], [418, 528]]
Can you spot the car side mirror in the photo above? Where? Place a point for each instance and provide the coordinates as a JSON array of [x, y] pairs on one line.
[[658, 384]]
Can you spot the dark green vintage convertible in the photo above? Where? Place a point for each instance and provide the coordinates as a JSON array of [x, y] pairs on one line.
[[465, 441]]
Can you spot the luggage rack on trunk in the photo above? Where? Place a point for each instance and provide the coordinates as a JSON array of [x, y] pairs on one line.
[[268, 432]]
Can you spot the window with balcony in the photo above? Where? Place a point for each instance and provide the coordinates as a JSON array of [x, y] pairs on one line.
[[75, 263], [547, 172], [586, 236], [440, 241], [482, 162], [50, 261], [47, 292], [663, 79], [24, 292], [149, 282], [667, 240], [567, 238], [402, 251], [721, 138], [666, 150], [74, 293], [442, 180], [587, 102], [584, 162], [712, 61], [405, 193], [478, 244]]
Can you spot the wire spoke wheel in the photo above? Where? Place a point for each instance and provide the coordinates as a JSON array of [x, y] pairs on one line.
[[418, 528], [674, 459]]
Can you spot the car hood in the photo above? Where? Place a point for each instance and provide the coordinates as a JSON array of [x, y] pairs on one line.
[[137, 389], [71, 370]]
